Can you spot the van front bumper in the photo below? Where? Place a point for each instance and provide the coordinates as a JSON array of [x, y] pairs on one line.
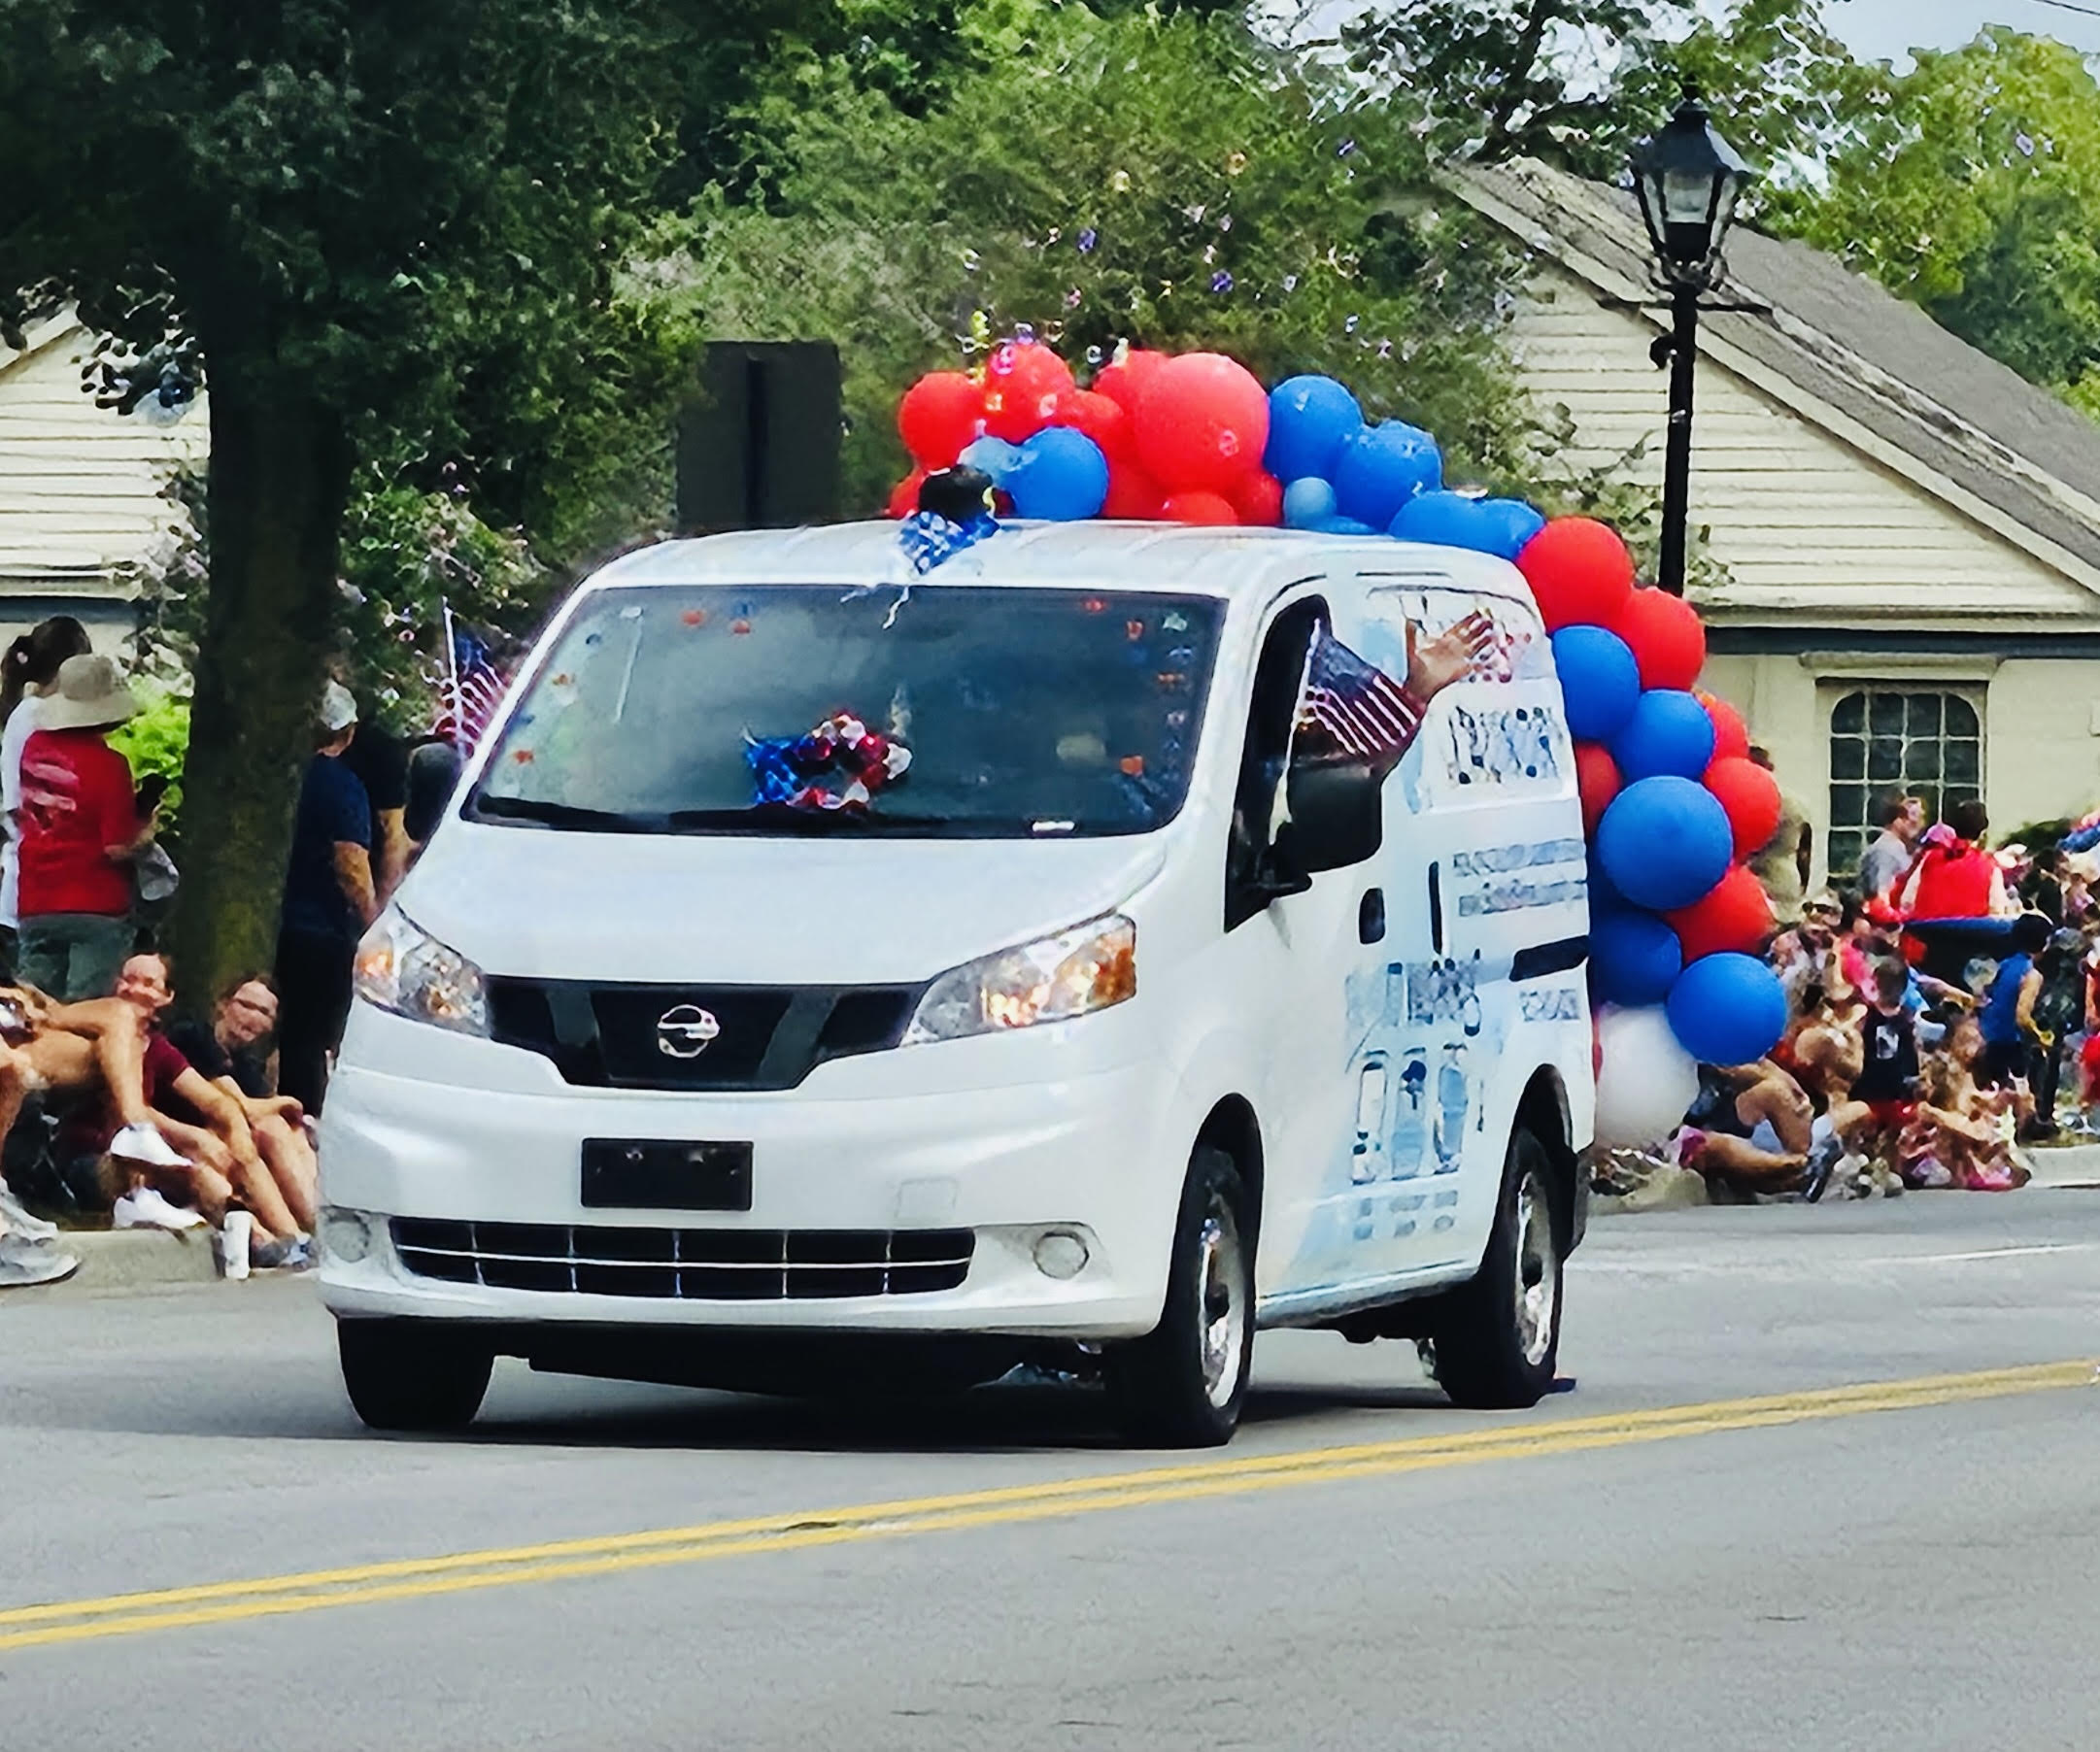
[[493, 1174]]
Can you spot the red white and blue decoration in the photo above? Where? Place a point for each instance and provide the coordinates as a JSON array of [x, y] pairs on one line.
[[1671, 805], [841, 764]]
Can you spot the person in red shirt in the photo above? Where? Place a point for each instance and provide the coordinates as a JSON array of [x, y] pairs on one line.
[[1954, 877], [81, 829]]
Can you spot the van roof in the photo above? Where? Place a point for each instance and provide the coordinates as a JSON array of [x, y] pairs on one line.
[[1167, 556]]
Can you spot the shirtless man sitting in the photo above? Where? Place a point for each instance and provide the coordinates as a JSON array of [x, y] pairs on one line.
[[95, 1052]]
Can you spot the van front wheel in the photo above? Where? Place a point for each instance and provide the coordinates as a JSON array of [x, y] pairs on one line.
[[412, 1375], [1497, 1337], [1182, 1385]]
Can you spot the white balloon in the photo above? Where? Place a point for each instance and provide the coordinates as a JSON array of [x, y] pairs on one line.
[[1648, 1080]]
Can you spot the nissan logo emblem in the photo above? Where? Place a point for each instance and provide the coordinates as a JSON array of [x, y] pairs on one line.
[[687, 1032]]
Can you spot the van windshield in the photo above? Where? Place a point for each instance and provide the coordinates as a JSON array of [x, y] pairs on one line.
[[785, 709]]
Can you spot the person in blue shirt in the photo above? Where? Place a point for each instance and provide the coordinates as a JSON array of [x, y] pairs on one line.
[[2007, 1018], [329, 900]]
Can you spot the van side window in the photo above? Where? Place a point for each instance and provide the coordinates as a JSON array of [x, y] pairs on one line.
[[1264, 755]]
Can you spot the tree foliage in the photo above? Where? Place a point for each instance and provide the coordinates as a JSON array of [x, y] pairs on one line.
[[394, 229], [1162, 179], [1973, 189]]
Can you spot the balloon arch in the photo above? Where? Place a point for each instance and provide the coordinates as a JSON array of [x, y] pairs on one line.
[[1672, 804]]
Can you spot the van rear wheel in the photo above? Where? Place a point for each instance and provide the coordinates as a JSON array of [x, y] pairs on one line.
[[1496, 1338], [1184, 1384], [415, 1376]]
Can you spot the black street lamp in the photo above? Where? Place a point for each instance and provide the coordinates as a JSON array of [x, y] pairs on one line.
[[1687, 178]]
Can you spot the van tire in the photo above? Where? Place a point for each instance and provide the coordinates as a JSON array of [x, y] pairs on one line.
[[415, 1376], [1496, 1338], [1184, 1384]]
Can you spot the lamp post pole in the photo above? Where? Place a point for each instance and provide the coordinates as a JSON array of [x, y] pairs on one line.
[[1677, 439], [1687, 178]]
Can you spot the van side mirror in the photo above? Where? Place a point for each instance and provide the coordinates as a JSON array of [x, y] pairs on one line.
[[1338, 816]]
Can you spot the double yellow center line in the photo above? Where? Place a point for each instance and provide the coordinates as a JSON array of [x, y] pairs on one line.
[[467, 1571]]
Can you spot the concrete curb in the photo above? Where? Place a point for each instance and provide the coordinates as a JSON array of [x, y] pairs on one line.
[[137, 1258], [2065, 1167]]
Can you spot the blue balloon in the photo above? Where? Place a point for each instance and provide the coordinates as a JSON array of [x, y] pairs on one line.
[[1450, 520], [1670, 734], [1727, 1009], [1384, 466], [1665, 842], [1512, 524], [1603, 896], [1635, 959], [1599, 680], [1308, 502], [993, 457], [1309, 419], [1062, 476]]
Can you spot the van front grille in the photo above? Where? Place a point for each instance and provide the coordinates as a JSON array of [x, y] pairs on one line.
[[698, 1264], [758, 1037]]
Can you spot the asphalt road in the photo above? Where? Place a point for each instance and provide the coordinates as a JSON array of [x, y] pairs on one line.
[[1647, 1561]]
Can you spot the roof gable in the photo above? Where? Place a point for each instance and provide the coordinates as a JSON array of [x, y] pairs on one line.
[[1845, 354]]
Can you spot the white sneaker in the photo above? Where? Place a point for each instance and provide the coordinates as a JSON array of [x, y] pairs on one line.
[[142, 1143], [146, 1208], [24, 1261], [13, 1217]]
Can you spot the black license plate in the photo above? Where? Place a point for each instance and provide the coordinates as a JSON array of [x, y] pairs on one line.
[[636, 1174]]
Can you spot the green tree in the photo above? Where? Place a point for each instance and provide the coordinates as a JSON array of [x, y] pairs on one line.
[[394, 230], [1974, 189], [1165, 179], [1577, 83]]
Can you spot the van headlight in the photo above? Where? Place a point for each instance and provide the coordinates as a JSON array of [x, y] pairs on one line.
[[402, 968], [1090, 967]]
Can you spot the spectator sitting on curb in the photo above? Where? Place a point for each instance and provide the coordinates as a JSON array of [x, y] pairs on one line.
[[93, 1054], [211, 1123], [231, 1054]]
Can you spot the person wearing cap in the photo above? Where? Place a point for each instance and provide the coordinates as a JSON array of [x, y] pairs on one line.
[[81, 829], [329, 898]]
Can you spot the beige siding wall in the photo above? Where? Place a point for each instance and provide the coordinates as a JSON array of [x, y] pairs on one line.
[[1801, 521], [80, 485], [2041, 724]]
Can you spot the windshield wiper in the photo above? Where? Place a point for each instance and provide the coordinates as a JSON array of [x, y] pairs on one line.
[[558, 815]]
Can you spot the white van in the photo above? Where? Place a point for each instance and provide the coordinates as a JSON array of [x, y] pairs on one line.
[[1179, 985]]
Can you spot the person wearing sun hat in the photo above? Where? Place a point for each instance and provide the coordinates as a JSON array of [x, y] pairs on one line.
[[81, 830]]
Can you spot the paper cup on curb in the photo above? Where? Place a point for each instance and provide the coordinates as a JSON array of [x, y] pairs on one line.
[[234, 1238]]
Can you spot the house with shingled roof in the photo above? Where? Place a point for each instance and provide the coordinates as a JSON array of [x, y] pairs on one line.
[[1907, 533], [82, 488]]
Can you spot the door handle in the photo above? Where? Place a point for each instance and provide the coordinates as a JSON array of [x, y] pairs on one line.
[[1370, 916], [1436, 909]]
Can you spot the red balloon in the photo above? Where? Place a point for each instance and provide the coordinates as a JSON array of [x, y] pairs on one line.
[[939, 416], [1132, 493], [1731, 735], [904, 495], [1663, 634], [1752, 798], [1122, 383], [1199, 508], [1258, 501], [1025, 385], [1598, 780], [1579, 572], [1734, 918], [1201, 421], [1101, 417]]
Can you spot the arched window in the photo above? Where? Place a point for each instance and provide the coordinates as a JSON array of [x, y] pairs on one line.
[[1883, 741]]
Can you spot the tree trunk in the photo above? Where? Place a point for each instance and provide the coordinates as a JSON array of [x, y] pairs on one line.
[[279, 477]]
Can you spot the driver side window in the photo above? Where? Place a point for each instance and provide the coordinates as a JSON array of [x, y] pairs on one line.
[[1272, 711]]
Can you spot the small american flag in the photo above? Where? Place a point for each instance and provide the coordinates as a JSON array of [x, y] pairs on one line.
[[1368, 714], [473, 689]]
